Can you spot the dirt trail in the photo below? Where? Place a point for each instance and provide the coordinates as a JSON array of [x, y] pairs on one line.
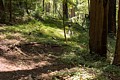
[[20, 61]]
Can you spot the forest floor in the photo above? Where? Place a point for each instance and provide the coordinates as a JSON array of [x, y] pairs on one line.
[[37, 51]]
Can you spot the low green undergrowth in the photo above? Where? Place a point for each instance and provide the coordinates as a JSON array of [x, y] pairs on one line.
[[76, 49]]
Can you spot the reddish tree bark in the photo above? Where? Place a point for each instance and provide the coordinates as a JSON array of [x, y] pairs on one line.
[[98, 27], [112, 17], [116, 60]]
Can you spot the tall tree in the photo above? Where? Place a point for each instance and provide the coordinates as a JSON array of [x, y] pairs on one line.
[[43, 4], [65, 9], [98, 27], [10, 9], [54, 6], [72, 11], [112, 17], [116, 60], [2, 11], [26, 5], [65, 15]]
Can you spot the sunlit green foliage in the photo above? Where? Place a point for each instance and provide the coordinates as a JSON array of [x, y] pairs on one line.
[[47, 27], [76, 52]]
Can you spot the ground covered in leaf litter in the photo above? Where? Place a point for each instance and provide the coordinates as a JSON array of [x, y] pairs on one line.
[[21, 60]]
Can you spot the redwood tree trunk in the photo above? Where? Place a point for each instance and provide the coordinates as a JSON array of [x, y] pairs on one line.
[[116, 60], [112, 17], [98, 27]]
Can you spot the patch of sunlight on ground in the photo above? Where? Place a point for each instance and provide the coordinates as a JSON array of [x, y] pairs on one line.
[[2, 36], [16, 36], [83, 74], [79, 73], [52, 31]]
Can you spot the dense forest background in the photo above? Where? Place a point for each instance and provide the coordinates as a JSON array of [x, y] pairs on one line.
[[59, 40]]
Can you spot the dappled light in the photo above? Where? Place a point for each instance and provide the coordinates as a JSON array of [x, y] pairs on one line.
[[59, 40]]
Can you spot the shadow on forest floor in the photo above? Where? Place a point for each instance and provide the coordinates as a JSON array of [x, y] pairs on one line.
[[39, 60], [44, 62], [37, 50]]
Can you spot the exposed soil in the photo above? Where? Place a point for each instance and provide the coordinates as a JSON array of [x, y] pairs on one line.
[[22, 61]]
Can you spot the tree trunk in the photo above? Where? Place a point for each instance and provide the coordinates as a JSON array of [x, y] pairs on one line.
[[26, 4], [112, 17], [98, 27], [116, 60], [65, 9], [65, 16], [10, 10], [48, 7], [72, 12], [2, 12], [43, 5]]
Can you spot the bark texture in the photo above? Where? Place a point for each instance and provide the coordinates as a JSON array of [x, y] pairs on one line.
[[98, 27], [116, 60], [112, 17]]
